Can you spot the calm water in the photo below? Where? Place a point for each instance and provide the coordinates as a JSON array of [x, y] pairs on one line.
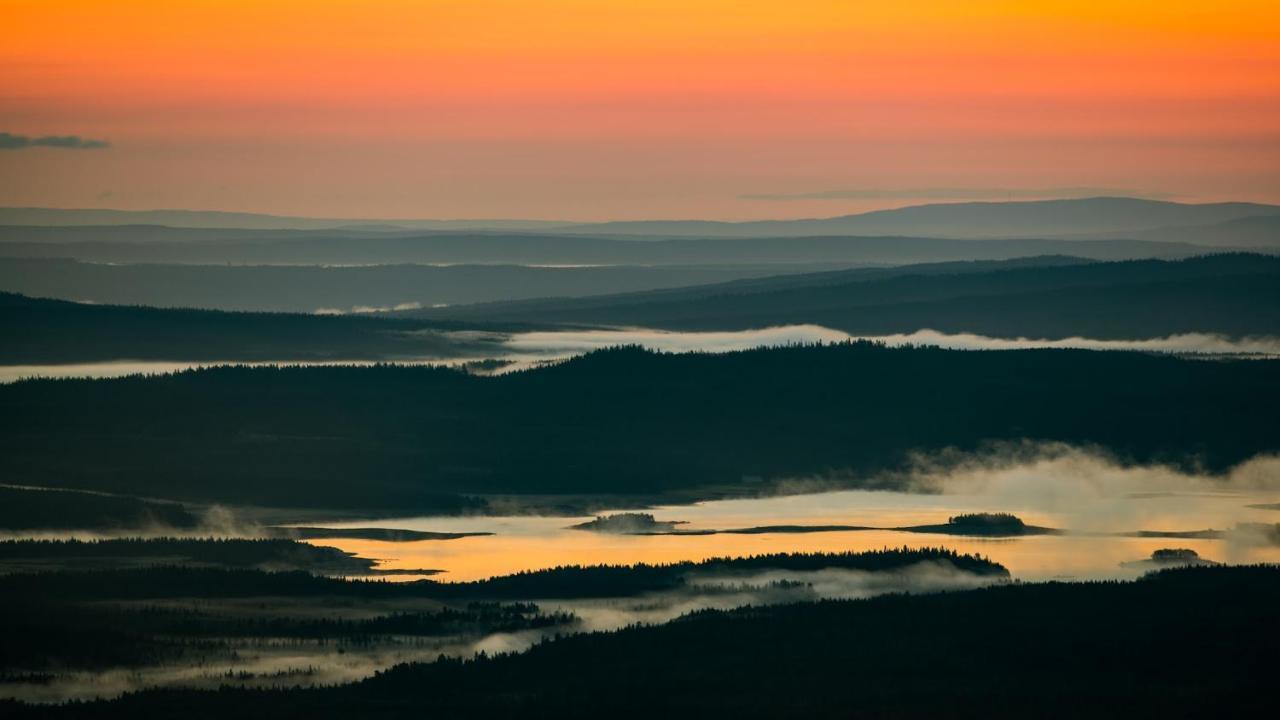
[[522, 543]]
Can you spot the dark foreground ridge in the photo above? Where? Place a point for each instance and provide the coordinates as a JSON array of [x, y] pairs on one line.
[[1190, 642]]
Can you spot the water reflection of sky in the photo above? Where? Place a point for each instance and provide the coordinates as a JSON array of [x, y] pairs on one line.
[[522, 543]]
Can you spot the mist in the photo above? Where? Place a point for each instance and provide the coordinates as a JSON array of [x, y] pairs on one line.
[[578, 341], [1089, 490], [279, 662], [728, 590]]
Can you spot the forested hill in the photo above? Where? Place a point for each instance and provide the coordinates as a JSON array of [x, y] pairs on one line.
[[617, 421], [1232, 294], [825, 277], [38, 330]]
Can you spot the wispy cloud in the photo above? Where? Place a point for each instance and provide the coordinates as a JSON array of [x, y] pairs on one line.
[[9, 141], [961, 193]]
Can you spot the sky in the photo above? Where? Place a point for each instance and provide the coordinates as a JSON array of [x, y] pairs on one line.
[[617, 109]]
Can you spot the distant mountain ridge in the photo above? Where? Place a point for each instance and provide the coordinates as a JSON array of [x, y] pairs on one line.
[[1013, 219], [155, 244], [1026, 219], [738, 288], [1261, 231]]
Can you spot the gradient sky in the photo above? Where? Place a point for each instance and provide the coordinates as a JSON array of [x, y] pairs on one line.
[[593, 109]]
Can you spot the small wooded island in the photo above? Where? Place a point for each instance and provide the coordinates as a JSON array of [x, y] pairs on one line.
[[627, 524], [1170, 557], [1175, 555], [983, 524]]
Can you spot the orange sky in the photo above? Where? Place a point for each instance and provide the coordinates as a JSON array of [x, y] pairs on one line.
[[601, 108]]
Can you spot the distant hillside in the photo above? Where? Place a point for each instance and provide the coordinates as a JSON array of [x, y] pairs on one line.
[[1248, 232], [1236, 295], [300, 288], [1109, 216], [619, 421], [329, 247], [39, 331], [1036, 218], [551, 306]]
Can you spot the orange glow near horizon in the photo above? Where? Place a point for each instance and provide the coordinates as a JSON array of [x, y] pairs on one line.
[[1033, 558], [621, 109]]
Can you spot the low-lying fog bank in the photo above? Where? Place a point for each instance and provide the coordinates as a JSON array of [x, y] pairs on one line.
[[562, 342], [518, 351], [1087, 512], [100, 633]]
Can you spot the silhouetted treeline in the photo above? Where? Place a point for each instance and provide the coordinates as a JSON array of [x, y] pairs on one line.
[[1234, 294], [68, 510], [1193, 643], [572, 581], [625, 580], [474, 618], [617, 421]]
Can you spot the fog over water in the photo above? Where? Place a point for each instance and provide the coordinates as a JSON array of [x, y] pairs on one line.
[[525, 350], [1082, 491], [1094, 499]]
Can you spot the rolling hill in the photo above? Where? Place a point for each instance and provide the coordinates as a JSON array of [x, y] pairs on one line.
[[308, 288], [42, 331], [617, 421], [1236, 295], [1034, 218]]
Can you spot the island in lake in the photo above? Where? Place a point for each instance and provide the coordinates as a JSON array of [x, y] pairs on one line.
[[985, 525], [369, 533], [628, 524], [1170, 557]]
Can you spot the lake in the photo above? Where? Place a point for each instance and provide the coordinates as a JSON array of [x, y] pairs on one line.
[[1092, 549]]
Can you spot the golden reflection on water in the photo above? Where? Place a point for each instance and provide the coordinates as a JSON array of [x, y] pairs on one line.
[[528, 543]]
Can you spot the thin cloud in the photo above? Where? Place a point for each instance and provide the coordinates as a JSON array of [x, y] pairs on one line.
[[960, 193], [9, 141]]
